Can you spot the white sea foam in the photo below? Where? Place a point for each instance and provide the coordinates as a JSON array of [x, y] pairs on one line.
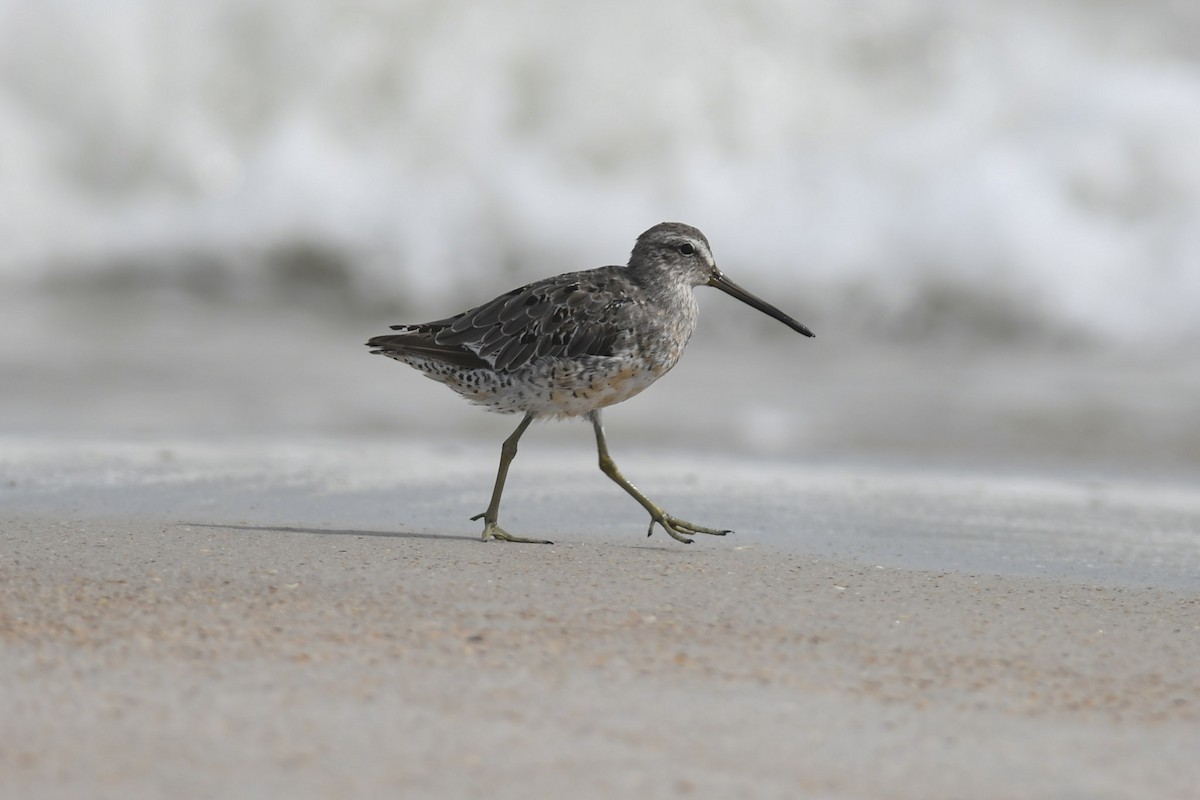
[[1036, 157]]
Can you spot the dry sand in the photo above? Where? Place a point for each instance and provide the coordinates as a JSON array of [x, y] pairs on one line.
[[258, 620]]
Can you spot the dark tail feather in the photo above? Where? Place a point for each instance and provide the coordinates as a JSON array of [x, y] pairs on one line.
[[423, 345]]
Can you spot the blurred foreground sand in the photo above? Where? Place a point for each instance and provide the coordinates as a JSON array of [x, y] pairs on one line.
[[320, 621]]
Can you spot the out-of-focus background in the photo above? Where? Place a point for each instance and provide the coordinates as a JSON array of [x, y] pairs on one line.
[[988, 211]]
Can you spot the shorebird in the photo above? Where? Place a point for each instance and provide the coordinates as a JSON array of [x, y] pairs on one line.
[[573, 344]]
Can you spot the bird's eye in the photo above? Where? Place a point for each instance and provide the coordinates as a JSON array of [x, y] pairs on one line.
[[687, 248]]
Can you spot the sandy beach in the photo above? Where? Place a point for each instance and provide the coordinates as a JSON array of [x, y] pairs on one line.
[[319, 620]]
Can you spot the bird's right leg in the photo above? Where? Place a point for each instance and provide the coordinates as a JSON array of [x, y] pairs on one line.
[[676, 527], [491, 528]]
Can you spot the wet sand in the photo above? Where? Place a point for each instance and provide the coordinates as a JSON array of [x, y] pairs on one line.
[[319, 620]]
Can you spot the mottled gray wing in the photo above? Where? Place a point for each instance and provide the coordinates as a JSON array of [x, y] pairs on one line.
[[579, 313]]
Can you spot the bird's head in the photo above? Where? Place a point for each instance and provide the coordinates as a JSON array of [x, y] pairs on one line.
[[682, 254]]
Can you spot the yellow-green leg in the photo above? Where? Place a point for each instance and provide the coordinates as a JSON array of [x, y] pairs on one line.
[[491, 529], [676, 527]]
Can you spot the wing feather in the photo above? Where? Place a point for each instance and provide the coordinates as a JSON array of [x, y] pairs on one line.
[[571, 315]]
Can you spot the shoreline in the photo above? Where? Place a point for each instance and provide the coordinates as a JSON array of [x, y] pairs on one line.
[[1075, 526]]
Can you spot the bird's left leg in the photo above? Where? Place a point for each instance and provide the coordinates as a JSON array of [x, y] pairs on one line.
[[491, 517], [676, 527]]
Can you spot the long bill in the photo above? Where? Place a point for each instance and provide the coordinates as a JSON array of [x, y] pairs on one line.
[[733, 290]]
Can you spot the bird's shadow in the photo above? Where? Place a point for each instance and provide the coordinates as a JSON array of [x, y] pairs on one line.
[[643, 546], [335, 531]]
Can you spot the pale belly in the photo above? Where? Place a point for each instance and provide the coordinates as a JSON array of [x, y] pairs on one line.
[[553, 388]]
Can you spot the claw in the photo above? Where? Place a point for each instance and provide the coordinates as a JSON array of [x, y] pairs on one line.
[[676, 527], [493, 531]]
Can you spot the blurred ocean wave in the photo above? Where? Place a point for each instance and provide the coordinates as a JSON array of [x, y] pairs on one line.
[[1008, 169]]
